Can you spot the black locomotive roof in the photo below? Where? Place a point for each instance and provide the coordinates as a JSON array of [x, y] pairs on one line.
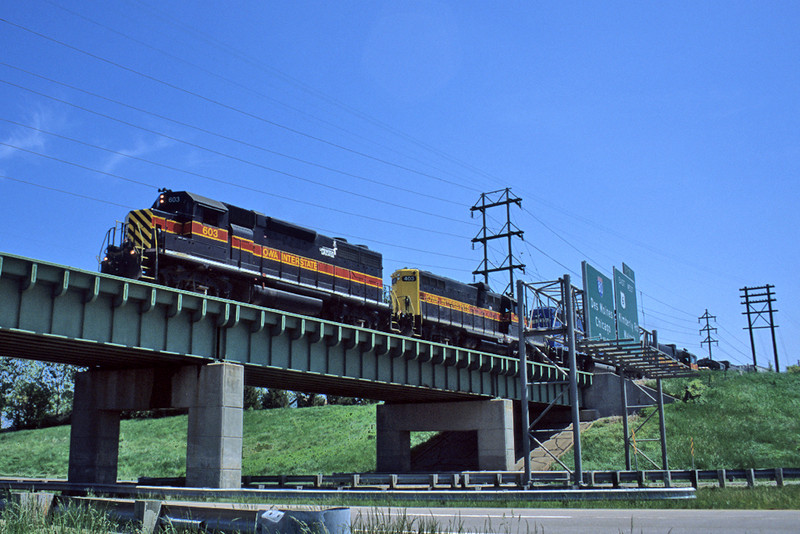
[[480, 286], [214, 204]]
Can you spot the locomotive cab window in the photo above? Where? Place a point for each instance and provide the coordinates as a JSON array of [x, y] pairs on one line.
[[209, 216]]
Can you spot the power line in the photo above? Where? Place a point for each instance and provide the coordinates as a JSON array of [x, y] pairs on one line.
[[235, 109], [234, 158], [149, 185], [165, 166], [327, 230], [231, 139], [758, 301], [318, 94], [65, 192], [593, 261], [232, 108]]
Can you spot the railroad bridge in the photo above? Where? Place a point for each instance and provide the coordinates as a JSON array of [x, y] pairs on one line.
[[148, 347]]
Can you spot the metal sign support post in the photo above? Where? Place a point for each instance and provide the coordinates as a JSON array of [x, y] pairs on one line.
[[625, 430], [573, 378], [663, 428], [523, 384]]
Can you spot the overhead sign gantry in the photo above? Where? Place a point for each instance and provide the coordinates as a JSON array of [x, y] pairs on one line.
[[609, 334]]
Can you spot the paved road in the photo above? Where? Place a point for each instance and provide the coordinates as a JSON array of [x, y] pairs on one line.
[[548, 520]]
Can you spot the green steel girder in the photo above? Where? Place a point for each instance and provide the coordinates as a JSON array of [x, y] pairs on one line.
[[55, 313]]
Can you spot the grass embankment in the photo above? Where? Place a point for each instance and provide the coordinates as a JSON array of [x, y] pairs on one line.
[[736, 422], [324, 439]]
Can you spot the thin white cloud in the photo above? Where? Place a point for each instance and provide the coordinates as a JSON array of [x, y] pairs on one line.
[[139, 150], [24, 138]]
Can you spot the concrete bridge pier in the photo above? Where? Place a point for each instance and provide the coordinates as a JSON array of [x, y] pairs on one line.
[[492, 420], [211, 393]]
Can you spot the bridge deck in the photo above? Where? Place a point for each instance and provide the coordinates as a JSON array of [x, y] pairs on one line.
[[60, 314]]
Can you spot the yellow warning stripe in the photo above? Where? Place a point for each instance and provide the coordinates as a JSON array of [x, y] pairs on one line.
[[140, 228]]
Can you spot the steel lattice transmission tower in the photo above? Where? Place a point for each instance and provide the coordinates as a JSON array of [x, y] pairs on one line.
[[708, 329], [496, 199]]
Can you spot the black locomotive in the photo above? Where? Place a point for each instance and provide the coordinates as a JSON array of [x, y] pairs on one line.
[[194, 243]]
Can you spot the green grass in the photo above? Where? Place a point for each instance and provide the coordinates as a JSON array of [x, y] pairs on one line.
[[320, 439], [324, 439], [17, 519], [284, 441]]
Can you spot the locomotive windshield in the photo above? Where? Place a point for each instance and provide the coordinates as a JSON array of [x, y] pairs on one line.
[[173, 202]]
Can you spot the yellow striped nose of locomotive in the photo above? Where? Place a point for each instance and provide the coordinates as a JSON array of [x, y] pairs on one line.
[[140, 228]]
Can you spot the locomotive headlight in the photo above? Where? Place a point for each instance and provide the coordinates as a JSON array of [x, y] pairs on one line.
[[133, 252]]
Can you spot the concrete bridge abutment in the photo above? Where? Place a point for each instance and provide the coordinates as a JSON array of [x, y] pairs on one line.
[[493, 420], [212, 394]]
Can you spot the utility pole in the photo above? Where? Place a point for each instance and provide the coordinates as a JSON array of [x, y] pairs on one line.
[[495, 199], [708, 329], [758, 302]]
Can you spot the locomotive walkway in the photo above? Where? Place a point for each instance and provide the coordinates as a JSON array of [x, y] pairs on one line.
[[150, 346]]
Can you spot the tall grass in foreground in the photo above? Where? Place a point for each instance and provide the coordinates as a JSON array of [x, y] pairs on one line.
[[384, 522], [17, 519]]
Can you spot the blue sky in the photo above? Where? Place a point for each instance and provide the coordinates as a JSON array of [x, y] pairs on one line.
[[665, 136]]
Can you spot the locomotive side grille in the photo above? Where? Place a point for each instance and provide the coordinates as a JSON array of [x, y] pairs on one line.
[[140, 229]]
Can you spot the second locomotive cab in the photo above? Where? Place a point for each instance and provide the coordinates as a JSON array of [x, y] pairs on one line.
[[194, 243]]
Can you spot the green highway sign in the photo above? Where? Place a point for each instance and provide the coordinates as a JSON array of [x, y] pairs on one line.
[[598, 303], [628, 272], [627, 310]]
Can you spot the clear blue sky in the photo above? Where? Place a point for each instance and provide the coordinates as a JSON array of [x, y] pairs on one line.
[[666, 136]]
